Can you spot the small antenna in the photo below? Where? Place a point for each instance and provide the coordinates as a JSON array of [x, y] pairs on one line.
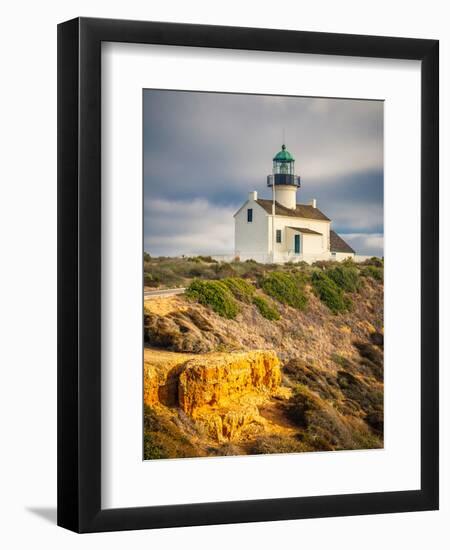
[[284, 137]]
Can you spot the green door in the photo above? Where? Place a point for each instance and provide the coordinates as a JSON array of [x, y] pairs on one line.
[[297, 244]]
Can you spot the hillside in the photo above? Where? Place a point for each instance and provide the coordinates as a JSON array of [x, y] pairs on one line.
[[264, 359]]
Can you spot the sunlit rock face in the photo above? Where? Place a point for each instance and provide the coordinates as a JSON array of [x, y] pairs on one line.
[[214, 381], [222, 393]]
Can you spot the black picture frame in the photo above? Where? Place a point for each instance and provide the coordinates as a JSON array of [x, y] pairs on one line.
[[79, 274]]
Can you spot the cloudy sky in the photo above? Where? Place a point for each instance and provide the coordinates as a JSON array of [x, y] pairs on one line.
[[203, 153]]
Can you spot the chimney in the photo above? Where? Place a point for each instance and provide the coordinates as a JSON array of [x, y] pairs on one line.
[[253, 196], [313, 203]]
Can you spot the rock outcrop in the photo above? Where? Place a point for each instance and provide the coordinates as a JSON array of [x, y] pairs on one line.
[[222, 393], [219, 391], [217, 380]]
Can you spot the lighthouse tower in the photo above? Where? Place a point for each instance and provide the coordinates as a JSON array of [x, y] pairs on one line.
[[283, 181], [281, 230]]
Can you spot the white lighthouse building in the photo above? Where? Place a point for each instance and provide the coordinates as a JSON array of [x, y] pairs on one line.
[[279, 229]]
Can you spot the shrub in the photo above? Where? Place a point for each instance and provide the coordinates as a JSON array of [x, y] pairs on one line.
[[225, 449], [369, 398], [323, 264], [285, 288], [316, 379], [266, 310], [207, 259], [376, 262], [224, 270], [251, 271], [377, 339], [373, 272], [151, 449], [150, 280], [345, 276], [163, 438], [348, 262], [372, 357], [172, 272], [269, 444], [201, 259], [323, 428], [214, 294], [195, 272], [329, 293], [242, 290], [301, 277], [375, 420]]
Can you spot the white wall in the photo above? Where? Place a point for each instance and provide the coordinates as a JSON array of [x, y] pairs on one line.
[[313, 244], [251, 239], [28, 222], [320, 246]]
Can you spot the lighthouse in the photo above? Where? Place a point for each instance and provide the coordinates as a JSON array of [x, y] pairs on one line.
[[280, 229], [283, 181]]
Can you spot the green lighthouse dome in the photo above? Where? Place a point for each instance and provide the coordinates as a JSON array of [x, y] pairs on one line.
[[283, 155]]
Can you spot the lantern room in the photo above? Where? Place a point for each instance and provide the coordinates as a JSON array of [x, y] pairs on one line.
[[283, 172]]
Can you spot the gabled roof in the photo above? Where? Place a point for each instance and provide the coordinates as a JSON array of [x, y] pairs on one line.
[[301, 210], [304, 230], [337, 244]]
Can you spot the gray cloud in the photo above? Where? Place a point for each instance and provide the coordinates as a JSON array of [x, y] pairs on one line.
[[187, 227], [209, 150], [371, 243]]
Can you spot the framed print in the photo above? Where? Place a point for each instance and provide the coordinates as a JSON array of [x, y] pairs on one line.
[[248, 275]]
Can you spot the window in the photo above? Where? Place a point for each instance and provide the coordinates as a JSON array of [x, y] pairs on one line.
[[278, 235], [249, 215]]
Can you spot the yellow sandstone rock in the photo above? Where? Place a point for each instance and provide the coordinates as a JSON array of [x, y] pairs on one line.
[[214, 380], [220, 391], [161, 372], [230, 424]]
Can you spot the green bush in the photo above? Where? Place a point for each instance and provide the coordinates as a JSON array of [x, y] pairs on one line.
[[373, 272], [266, 310], [214, 294], [285, 288], [346, 277], [329, 293], [242, 290], [200, 259], [348, 262], [301, 276]]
